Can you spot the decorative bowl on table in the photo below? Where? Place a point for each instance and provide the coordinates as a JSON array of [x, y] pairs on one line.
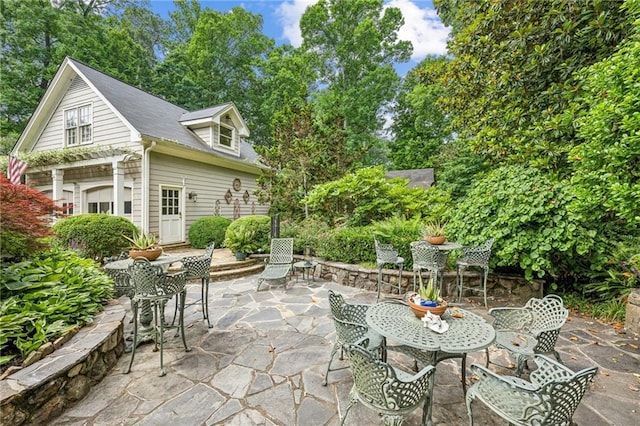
[[436, 241], [421, 310], [150, 254]]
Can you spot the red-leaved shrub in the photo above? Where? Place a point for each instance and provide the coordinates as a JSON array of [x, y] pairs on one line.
[[25, 219]]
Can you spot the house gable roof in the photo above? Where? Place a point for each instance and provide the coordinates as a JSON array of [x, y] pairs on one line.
[[417, 177], [149, 115]]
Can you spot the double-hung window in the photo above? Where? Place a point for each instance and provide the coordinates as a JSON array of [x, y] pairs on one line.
[[78, 125], [226, 136]]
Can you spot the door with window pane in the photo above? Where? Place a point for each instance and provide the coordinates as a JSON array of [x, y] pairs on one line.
[[170, 215]]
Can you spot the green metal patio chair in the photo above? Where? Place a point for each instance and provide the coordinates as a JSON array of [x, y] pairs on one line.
[[549, 398], [391, 392], [351, 326], [154, 288], [475, 257], [532, 329], [386, 254], [429, 258], [280, 261], [199, 267]]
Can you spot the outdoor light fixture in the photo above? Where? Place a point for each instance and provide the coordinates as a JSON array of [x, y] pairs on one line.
[[193, 196]]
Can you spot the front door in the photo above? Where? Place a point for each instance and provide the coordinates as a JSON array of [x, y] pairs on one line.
[[170, 215]]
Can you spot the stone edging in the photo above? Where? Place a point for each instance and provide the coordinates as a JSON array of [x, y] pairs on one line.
[[44, 389]]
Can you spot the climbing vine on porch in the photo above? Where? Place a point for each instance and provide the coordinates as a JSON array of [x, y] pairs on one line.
[[69, 155]]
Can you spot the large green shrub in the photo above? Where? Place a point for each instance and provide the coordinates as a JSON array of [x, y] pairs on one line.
[[607, 160], [45, 296], [94, 235], [308, 232], [355, 244], [621, 273], [348, 245], [367, 195], [400, 233], [258, 225], [528, 215], [207, 230]]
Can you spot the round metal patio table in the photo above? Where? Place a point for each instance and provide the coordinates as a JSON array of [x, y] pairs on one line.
[[147, 332], [448, 246], [397, 322]]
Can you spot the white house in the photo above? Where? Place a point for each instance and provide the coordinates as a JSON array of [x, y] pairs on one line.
[[106, 146]]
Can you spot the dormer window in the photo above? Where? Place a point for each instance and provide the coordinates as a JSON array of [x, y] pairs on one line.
[[226, 136], [78, 123]]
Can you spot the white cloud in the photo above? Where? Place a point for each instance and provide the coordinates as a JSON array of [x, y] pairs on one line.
[[423, 28], [289, 14]]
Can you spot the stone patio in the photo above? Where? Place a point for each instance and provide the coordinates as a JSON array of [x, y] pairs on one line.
[[264, 360]]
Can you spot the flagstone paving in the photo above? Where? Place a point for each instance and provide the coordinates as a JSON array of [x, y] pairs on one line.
[[264, 360]]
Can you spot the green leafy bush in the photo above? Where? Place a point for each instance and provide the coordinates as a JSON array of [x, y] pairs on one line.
[[355, 244], [621, 275], [259, 226], [529, 218], [400, 233], [207, 230], [308, 232], [348, 245], [95, 236], [367, 195], [45, 296]]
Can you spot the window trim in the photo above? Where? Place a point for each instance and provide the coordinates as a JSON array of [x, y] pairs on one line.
[[78, 126], [231, 145]]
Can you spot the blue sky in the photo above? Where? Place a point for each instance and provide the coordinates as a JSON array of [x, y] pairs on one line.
[[281, 18]]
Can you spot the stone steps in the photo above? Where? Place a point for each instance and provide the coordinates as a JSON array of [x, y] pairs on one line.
[[235, 270]]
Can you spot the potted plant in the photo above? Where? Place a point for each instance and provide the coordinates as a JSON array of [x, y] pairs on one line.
[[143, 245], [427, 300], [434, 232], [241, 240]]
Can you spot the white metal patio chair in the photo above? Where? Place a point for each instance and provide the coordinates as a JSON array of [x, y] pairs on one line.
[[531, 329], [386, 254], [280, 261], [549, 398]]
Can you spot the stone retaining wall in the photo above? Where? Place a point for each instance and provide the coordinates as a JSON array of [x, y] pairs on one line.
[[514, 288], [44, 389], [632, 318]]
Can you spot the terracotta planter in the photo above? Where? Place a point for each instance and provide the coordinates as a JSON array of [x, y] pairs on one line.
[[421, 311], [436, 241], [150, 254]]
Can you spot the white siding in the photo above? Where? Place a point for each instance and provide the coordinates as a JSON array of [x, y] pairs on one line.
[[209, 182], [108, 129], [204, 133]]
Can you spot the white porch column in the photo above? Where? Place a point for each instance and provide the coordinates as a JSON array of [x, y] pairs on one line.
[[57, 178], [118, 188]]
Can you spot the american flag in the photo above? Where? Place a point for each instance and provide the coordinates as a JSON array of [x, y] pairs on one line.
[[15, 169]]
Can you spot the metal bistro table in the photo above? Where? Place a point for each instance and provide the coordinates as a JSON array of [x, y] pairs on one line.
[[397, 322], [307, 268], [147, 331]]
